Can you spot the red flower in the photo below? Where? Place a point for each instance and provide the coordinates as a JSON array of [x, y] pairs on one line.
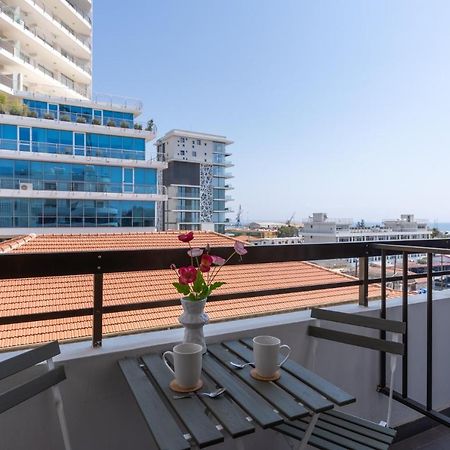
[[205, 263], [187, 237], [187, 274]]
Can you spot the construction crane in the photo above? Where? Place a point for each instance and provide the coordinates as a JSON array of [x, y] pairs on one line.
[[288, 222], [238, 216]]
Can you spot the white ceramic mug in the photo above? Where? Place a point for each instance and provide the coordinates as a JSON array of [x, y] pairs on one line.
[[266, 351], [187, 362]]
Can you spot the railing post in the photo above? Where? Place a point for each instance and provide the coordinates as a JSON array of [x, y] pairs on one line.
[[405, 319], [430, 331], [383, 316], [97, 331], [364, 276]]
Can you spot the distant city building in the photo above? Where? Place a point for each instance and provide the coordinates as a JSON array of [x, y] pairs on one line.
[[278, 241], [69, 161], [319, 228], [196, 179]]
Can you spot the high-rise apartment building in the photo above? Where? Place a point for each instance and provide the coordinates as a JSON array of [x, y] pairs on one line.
[[197, 180], [68, 159]]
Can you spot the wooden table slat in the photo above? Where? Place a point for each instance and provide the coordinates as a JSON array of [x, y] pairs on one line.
[[191, 411], [233, 419], [313, 380], [244, 396], [282, 401], [163, 427], [307, 395]]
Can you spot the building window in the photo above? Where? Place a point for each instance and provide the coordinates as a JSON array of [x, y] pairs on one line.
[[181, 152], [199, 142], [194, 153]]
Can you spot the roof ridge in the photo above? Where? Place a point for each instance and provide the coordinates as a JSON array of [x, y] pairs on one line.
[[15, 243]]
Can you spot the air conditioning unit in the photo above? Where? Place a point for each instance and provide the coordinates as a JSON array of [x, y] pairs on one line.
[[26, 186]]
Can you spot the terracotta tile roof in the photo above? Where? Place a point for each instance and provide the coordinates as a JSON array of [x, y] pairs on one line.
[[72, 292], [115, 241]]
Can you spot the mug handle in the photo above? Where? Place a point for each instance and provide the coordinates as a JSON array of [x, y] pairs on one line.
[[287, 356], [164, 356]]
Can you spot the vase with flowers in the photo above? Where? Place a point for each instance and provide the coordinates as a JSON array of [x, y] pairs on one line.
[[196, 282]]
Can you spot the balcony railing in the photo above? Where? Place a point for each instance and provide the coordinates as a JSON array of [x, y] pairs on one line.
[[7, 80], [79, 11], [69, 149], [98, 263], [77, 87], [37, 32], [80, 186], [43, 113]]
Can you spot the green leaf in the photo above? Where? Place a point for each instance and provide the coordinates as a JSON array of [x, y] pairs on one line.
[[182, 288], [192, 296], [199, 282], [216, 285]]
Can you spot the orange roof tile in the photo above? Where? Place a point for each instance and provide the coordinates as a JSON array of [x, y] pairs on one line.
[[72, 292], [114, 241]]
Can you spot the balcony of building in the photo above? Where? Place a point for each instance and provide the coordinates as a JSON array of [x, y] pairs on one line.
[[54, 19], [36, 76], [42, 35], [100, 410], [134, 149], [99, 190]]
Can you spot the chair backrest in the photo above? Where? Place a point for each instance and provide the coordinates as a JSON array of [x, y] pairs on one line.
[[16, 364], [374, 323]]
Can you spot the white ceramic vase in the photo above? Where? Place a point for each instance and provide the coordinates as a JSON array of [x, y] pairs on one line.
[[193, 319]]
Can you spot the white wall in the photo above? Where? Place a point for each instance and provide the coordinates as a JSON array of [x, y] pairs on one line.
[[102, 413]]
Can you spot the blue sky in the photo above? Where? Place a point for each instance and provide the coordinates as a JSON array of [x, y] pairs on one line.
[[335, 106]]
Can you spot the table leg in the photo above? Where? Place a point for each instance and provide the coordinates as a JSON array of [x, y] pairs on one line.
[[308, 432]]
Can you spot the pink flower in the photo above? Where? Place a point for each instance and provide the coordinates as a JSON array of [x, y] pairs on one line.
[[195, 252], [218, 260], [239, 248], [187, 274], [187, 237], [205, 263]]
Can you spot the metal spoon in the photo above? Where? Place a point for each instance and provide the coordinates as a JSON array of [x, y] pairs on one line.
[[213, 394], [241, 366]]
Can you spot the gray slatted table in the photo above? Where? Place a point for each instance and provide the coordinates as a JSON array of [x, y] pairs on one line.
[[247, 403]]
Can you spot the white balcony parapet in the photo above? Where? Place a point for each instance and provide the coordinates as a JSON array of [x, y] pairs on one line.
[[98, 101], [77, 195]]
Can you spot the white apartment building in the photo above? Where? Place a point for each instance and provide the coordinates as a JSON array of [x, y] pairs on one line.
[[197, 180], [69, 160], [45, 47], [320, 229]]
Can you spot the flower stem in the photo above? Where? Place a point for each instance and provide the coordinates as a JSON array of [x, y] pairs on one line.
[[212, 279]]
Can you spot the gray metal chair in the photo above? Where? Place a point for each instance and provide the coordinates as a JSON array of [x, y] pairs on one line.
[[392, 347], [336, 429], [36, 385]]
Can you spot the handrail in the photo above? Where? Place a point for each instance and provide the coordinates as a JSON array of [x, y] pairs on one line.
[[98, 263], [400, 248]]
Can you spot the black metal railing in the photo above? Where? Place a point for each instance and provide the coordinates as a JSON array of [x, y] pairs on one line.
[[98, 263], [405, 249]]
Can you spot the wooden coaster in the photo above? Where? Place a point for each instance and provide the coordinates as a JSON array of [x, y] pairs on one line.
[[257, 376], [174, 386]]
